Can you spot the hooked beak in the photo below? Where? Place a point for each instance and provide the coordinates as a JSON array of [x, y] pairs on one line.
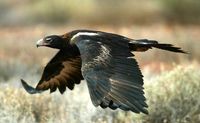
[[41, 42]]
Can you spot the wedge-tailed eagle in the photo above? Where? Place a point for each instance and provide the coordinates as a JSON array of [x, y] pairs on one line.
[[105, 61]]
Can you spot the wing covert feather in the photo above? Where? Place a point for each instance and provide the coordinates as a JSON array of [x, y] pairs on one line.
[[112, 74]]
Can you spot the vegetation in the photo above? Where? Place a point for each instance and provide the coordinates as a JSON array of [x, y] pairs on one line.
[[172, 97], [99, 12], [184, 11]]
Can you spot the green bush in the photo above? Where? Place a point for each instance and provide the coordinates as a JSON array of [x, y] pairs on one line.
[[99, 12], [183, 11], [47, 11]]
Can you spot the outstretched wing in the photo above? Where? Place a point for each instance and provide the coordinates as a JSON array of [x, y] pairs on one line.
[[112, 74], [64, 70]]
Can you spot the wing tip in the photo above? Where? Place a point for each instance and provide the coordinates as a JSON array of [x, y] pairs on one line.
[[29, 88], [145, 111]]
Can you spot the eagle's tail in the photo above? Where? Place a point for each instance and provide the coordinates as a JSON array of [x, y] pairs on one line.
[[144, 45]]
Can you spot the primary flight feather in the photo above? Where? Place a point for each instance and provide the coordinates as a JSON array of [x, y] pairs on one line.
[[104, 60]]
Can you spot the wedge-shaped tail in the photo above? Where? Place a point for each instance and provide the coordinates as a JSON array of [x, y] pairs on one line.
[[144, 45]]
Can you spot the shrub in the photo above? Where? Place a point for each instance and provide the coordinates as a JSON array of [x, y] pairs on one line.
[[182, 11], [172, 97]]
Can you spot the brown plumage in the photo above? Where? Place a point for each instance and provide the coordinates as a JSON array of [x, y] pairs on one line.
[[105, 61], [63, 70]]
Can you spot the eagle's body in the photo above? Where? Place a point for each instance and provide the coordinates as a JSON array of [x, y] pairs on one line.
[[104, 60]]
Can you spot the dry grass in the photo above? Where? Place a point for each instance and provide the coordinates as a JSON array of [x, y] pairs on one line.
[[172, 97]]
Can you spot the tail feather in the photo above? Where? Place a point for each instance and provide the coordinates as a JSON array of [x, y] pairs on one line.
[[144, 45], [169, 47]]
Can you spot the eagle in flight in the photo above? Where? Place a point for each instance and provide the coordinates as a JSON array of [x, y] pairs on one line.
[[104, 60]]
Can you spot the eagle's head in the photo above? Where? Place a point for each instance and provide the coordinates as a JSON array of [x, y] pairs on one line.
[[52, 41]]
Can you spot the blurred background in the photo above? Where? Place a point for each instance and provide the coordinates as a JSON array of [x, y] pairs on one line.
[[172, 81]]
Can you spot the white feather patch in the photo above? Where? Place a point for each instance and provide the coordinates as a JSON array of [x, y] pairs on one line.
[[84, 33]]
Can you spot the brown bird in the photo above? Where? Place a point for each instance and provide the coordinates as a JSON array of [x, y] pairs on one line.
[[104, 60]]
